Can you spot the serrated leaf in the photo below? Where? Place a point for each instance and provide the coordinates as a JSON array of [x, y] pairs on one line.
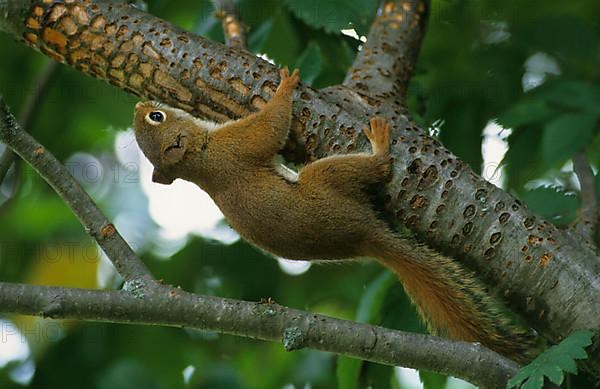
[[310, 62], [553, 362], [554, 374], [553, 204], [565, 136], [578, 340], [578, 354], [526, 112], [567, 363], [334, 15], [535, 383]]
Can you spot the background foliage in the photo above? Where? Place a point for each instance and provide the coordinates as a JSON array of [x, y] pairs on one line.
[[530, 66]]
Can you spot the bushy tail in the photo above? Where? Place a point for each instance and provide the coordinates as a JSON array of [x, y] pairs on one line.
[[452, 301]]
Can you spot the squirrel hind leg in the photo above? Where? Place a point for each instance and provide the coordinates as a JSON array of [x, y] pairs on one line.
[[353, 174], [350, 174]]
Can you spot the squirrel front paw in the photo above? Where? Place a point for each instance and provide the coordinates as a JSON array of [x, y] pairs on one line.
[[288, 82], [378, 135]]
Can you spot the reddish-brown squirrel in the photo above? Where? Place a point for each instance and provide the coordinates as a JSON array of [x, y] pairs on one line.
[[323, 212]]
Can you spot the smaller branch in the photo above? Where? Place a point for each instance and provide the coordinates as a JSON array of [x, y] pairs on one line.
[[384, 66], [30, 108], [589, 216], [131, 268], [6, 161], [233, 27], [169, 306]]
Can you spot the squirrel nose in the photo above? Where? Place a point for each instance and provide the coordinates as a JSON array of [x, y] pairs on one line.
[[139, 105]]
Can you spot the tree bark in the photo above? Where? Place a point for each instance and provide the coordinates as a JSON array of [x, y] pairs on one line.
[[549, 277]]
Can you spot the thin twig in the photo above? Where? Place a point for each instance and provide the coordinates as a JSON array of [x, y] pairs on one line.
[[587, 225], [272, 322], [129, 266], [233, 27]]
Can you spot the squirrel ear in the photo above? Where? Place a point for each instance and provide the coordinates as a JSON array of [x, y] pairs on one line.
[[162, 178]]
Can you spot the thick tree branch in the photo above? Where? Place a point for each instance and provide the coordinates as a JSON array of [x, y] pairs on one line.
[[95, 223], [233, 26], [587, 225], [549, 277], [384, 66], [272, 322]]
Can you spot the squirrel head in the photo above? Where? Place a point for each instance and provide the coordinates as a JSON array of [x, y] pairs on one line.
[[165, 135]]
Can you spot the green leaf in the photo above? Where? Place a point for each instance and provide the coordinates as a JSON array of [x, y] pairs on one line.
[[348, 372], [565, 136], [258, 36], [372, 300], [570, 94], [432, 380], [369, 308], [553, 362], [560, 34], [310, 62], [378, 376], [462, 129], [337, 54], [526, 112], [553, 204], [127, 374], [334, 15], [282, 44], [522, 160]]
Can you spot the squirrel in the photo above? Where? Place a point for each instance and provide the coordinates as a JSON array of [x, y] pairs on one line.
[[323, 212]]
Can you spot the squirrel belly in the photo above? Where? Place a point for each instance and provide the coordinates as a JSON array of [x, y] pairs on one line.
[[279, 216], [325, 214]]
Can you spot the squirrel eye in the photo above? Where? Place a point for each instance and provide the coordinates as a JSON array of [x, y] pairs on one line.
[[156, 117]]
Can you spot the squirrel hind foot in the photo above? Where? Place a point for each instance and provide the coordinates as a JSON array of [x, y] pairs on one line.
[[379, 135]]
